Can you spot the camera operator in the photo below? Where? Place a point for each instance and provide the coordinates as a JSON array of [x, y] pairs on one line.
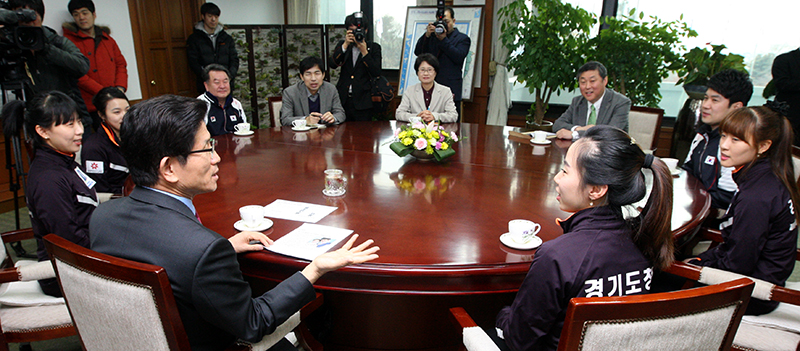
[[360, 61], [55, 67], [443, 40]]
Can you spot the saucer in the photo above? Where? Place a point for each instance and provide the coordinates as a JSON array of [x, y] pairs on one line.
[[332, 194], [675, 171], [507, 241], [546, 142], [245, 133], [265, 224], [301, 129]]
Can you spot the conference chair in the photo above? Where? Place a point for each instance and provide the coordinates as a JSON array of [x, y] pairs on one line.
[[644, 125], [696, 319], [130, 305], [777, 330], [275, 104], [26, 313]]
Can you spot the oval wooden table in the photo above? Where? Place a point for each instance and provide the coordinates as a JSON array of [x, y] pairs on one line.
[[438, 225]]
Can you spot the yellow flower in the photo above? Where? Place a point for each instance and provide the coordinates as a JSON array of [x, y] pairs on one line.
[[445, 134], [407, 141], [445, 146], [429, 150], [416, 132], [435, 135], [402, 135]]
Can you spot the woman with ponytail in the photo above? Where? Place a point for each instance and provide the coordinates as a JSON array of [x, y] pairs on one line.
[[600, 253], [760, 226], [60, 196]]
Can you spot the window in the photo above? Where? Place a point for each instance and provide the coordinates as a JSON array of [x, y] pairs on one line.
[[389, 24]]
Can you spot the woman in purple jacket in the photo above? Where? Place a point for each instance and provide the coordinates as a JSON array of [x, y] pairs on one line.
[[760, 226], [600, 253]]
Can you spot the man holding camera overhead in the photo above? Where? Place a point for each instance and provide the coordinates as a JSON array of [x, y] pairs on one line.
[[443, 40], [360, 61]]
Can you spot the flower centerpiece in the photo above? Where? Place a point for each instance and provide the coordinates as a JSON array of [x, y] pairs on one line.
[[424, 141]]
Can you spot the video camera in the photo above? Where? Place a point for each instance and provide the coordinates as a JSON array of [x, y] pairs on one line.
[[359, 31], [441, 27], [16, 40]]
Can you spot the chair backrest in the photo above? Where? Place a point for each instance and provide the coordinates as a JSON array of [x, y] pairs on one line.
[[696, 319], [644, 125], [796, 162], [116, 303], [275, 104]]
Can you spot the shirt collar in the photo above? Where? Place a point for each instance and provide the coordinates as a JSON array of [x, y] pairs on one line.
[[185, 201], [598, 102], [313, 97]]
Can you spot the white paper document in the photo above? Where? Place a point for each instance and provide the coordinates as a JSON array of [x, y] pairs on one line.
[[297, 211], [309, 241]]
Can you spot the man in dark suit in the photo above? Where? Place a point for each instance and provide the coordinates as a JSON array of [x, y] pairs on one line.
[[786, 75], [596, 105], [172, 158], [360, 61], [451, 48]]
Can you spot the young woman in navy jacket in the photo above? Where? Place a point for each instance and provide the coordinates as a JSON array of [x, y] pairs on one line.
[[600, 253], [760, 226]]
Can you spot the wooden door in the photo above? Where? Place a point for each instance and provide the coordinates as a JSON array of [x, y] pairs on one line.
[[160, 29]]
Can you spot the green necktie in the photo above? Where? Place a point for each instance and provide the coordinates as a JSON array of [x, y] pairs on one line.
[[592, 117]]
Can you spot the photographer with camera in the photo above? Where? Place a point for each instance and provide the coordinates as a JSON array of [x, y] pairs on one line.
[[443, 40], [360, 61], [57, 65]]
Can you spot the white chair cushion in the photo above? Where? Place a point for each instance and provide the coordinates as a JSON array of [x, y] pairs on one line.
[[756, 337], [22, 319], [699, 331], [29, 293], [641, 127], [101, 306], [282, 330], [475, 339]]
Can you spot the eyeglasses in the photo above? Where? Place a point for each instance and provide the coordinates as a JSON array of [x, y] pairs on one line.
[[427, 70], [212, 142]]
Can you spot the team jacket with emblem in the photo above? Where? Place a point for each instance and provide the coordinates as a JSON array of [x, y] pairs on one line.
[[219, 120], [760, 232], [703, 163], [594, 257], [103, 161], [60, 197]]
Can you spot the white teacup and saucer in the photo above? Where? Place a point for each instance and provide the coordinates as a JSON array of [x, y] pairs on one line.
[[252, 219], [243, 129], [522, 235]]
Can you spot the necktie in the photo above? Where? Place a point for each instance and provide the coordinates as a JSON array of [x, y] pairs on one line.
[[592, 117], [198, 217]]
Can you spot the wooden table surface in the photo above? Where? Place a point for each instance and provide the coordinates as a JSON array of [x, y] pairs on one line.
[[438, 225]]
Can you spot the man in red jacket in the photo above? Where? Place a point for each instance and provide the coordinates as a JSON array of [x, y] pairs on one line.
[[107, 65]]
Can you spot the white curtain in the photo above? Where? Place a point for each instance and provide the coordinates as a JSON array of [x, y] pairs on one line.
[[500, 96], [303, 11]]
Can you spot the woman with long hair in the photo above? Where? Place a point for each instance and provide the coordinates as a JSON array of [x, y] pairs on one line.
[[60, 196], [600, 253], [101, 155], [760, 226]]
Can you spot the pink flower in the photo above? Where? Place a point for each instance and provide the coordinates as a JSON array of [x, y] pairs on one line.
[[420, 144], [396, 132], [438, 145], [418, 125], [454, 136]]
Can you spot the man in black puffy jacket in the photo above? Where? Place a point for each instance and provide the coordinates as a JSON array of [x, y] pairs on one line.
[[211, 44]]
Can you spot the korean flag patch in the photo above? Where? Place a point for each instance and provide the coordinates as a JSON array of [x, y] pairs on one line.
[[710, 160], [213, 119], [95, 167]]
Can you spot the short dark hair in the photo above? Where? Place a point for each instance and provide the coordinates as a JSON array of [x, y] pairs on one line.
[[350, 20], [46, 110], [35, 5], [733, 85], [210, 8], [100, 101], [593, 66], [452, 12], [79, 4], [430, 59], [164, 126], [214, 67], [309, 63]]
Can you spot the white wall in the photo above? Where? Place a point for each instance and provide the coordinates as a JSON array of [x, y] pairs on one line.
[[250, 11], [111, 13]]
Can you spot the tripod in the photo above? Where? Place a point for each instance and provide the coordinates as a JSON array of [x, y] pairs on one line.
[[14, 162]]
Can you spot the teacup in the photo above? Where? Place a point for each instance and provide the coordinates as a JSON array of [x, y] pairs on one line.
[[335, 182], [242, 127], [522, 231], [672, 163], [540, 136], [299, 123], [252, 215]]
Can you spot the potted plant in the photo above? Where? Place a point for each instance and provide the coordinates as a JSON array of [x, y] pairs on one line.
[[545, 45], [699, 64], [639, 53]]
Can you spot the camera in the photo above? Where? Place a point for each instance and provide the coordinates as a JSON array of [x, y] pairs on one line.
[[441, 27], [15, 42], [359, 31]]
